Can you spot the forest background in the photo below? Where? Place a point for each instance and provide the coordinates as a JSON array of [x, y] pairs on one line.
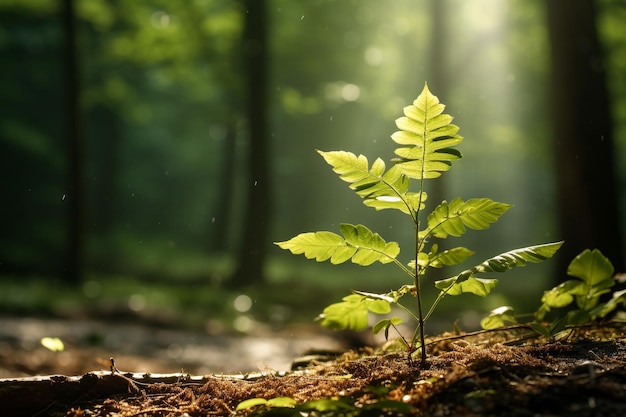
[[152, 151]]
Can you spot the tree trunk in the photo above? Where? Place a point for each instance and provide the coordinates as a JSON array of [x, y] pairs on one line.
[[587, 196], [222, 208], [105, 156], [75, 195], [254, 238]]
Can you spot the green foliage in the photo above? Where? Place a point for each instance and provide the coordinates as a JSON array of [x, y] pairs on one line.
[[52, 343], [427, 138], [452, 218], [359, 244], [593, 274], [466, 282], [352, 312], [499, 317], [274, 402], [346, 406]]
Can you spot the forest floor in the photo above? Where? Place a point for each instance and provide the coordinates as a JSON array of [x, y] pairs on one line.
[[505, 373]]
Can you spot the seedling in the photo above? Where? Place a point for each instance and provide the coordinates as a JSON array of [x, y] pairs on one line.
[[593, 274], [427, 140]]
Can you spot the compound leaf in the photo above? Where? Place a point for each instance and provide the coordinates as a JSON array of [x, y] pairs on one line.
[[370, 246], [378, 189], [361, 245], [320, 246], [452, 218], [478, 286], [352, 312], [429, 136], [450, 257], [518, 257]]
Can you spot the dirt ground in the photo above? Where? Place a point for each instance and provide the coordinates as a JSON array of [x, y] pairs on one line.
[[508, 373], [141, 347]]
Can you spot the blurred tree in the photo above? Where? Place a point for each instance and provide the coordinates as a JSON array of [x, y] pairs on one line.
[[33, 149], [254, 235], [164, 99], [438, 79], [76, 150], [165, 74], [588, 205], [229, 71], [439, 82]]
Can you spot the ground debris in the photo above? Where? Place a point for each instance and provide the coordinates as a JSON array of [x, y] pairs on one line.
[[584, 376]]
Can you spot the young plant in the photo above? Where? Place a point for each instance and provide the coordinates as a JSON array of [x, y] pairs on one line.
[[427, 140], [593, 273]]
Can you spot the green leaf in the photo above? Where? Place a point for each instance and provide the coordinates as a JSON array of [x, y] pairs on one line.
[[352, 312], [591, 297], [478, 286], [370, 246], [550, 330], [518, 257], [287, 402], [378, 189], [450, 257], [52, 343], [360, 245], [500, 263], [619, 297], [281, 402], [391, 407], [594, 272], [541, 329], [452, 218], [563, 294], [429, 136], [558, 326], [330, 407], [498, 317], [375, 296], [592, 267], [578, 317], [320, 246], [385, 325]]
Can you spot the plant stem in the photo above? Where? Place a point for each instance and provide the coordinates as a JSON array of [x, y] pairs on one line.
[[419, 269], [418, 295]]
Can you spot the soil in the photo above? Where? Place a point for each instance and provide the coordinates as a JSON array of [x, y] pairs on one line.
[[506, 373]]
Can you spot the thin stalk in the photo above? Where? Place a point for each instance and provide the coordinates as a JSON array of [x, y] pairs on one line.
[[442, 294], [418, 295], [402, 267], [418, 268], [409, 312]]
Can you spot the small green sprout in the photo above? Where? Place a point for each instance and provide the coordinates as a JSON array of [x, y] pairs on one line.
[[53, 343]]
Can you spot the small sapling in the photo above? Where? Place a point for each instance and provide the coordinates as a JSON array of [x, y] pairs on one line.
[[427, 142]]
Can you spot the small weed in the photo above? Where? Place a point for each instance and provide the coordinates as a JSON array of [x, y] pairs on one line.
[[593, 274]]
